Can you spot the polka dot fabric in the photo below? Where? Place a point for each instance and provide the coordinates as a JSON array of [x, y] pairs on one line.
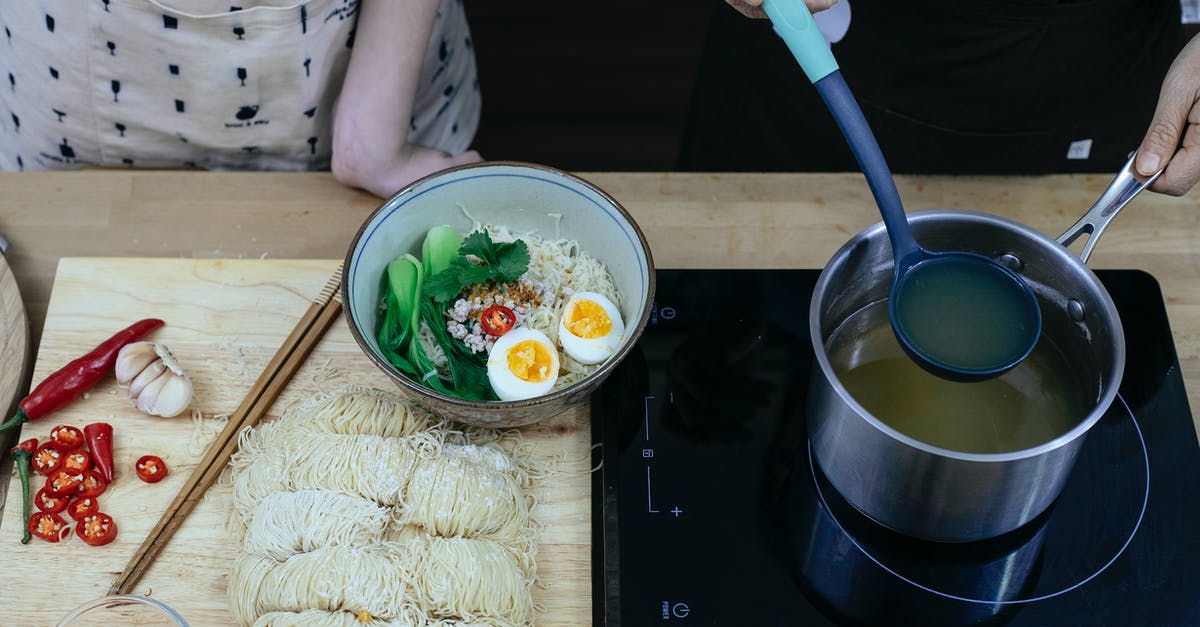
[[203, 84]]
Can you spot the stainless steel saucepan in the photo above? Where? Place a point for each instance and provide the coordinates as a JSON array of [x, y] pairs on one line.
[[935, 493]]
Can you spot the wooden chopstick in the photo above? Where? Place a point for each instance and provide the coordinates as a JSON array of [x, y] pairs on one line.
[[266, 389]]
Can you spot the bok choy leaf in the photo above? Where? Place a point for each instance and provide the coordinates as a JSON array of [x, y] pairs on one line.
[[399, 334], [440, 248]]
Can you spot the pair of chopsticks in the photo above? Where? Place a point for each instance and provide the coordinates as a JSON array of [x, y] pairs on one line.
[[282, 367]]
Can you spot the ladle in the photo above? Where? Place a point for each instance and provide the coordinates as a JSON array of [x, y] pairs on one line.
[[959, 315]]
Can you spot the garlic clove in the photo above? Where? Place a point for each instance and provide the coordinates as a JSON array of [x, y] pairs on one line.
[[146, 376], [167, 399], [147, 398], [133, 358]]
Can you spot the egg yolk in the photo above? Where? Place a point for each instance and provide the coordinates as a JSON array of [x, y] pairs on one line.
[[529, 361], [587, 319]]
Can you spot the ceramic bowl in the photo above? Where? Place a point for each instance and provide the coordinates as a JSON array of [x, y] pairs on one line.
[[527, 198]]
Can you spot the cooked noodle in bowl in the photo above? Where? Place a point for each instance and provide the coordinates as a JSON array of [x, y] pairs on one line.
[[498, 294]]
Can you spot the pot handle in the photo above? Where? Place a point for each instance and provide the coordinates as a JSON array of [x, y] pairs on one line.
[[1120, 191]]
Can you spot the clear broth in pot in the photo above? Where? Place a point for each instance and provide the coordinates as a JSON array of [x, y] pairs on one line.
[[1033, 403]]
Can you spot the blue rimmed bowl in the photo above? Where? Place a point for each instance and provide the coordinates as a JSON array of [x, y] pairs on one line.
[[525, 197]]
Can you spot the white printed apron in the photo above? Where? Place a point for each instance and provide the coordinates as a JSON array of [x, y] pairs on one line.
[[228, 84]]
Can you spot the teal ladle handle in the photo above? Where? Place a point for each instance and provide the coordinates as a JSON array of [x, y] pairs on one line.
[[795, 25]]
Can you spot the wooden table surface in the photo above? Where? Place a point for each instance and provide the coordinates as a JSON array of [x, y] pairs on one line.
[[690, 220]]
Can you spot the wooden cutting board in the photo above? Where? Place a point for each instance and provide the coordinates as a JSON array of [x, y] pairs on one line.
[[15, 353], [225, 320]]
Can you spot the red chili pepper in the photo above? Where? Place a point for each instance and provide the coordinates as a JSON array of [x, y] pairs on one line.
[[66, 438], [77, 461], [63, 483], [46, 460], [47, 526], [92, 485], [99, 438], [96, 529], [22, 454], [77, 377], [82, 506], [51, 503], [497, 320], [150, 468]]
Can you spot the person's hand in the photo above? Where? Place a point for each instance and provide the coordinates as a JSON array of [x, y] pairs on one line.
[[384, 177], [753, 8], [1174, 135], [419, 162]]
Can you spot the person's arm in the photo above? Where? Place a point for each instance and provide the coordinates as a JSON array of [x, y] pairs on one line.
[[370, 128], [1174, 135], [753, 8]]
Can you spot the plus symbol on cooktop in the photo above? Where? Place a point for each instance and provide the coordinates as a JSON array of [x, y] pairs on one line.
[[677, 511]]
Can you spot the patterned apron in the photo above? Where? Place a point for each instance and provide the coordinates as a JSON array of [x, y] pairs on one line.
[[215, 84]]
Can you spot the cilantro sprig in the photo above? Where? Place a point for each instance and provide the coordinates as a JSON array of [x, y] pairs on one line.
[[501, 263]]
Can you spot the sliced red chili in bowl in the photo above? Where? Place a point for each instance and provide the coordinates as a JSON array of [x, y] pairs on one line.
[[82, 506], [96, 529], [151, 468], [51, 503], [49, 527], [63, 483], [47, 460], [66, 438], [77, 461], [497, 320], [92, 484]]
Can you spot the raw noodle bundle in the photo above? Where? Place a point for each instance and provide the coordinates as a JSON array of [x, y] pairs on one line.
[[442, 578], [369, 466], [472, 579], [358, 410], [366, 578], [287, 523], [450, 495]]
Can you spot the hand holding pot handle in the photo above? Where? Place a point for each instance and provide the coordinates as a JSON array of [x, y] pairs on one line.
[[1172, 141], [1124, 187]]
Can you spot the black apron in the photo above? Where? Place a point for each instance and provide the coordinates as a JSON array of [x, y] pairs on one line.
[[948, 86]]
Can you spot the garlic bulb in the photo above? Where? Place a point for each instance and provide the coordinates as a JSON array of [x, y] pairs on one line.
[[157, 383]]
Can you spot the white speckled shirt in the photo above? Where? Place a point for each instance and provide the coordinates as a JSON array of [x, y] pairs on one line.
[[216, 84]]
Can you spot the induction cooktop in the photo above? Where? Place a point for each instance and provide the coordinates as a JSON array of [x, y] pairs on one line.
[[709, 509]]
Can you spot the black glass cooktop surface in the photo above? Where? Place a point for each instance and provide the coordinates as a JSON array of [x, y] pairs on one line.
[[710, 511]]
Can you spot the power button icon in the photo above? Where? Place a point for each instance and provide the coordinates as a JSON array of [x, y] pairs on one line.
[[680, 610]]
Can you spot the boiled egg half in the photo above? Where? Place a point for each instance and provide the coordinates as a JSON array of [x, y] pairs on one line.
[[523, 364], [590, 328]]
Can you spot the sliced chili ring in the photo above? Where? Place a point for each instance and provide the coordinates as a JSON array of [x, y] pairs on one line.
[[77, 461], [92, 484], [66, 438], [47, 526], [82, 506], [50, 503], [96, 529], [63, 483], [150, 468], [47, 459], [497, 320]]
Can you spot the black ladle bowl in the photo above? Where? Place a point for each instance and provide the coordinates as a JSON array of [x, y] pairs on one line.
[[958, 315]]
